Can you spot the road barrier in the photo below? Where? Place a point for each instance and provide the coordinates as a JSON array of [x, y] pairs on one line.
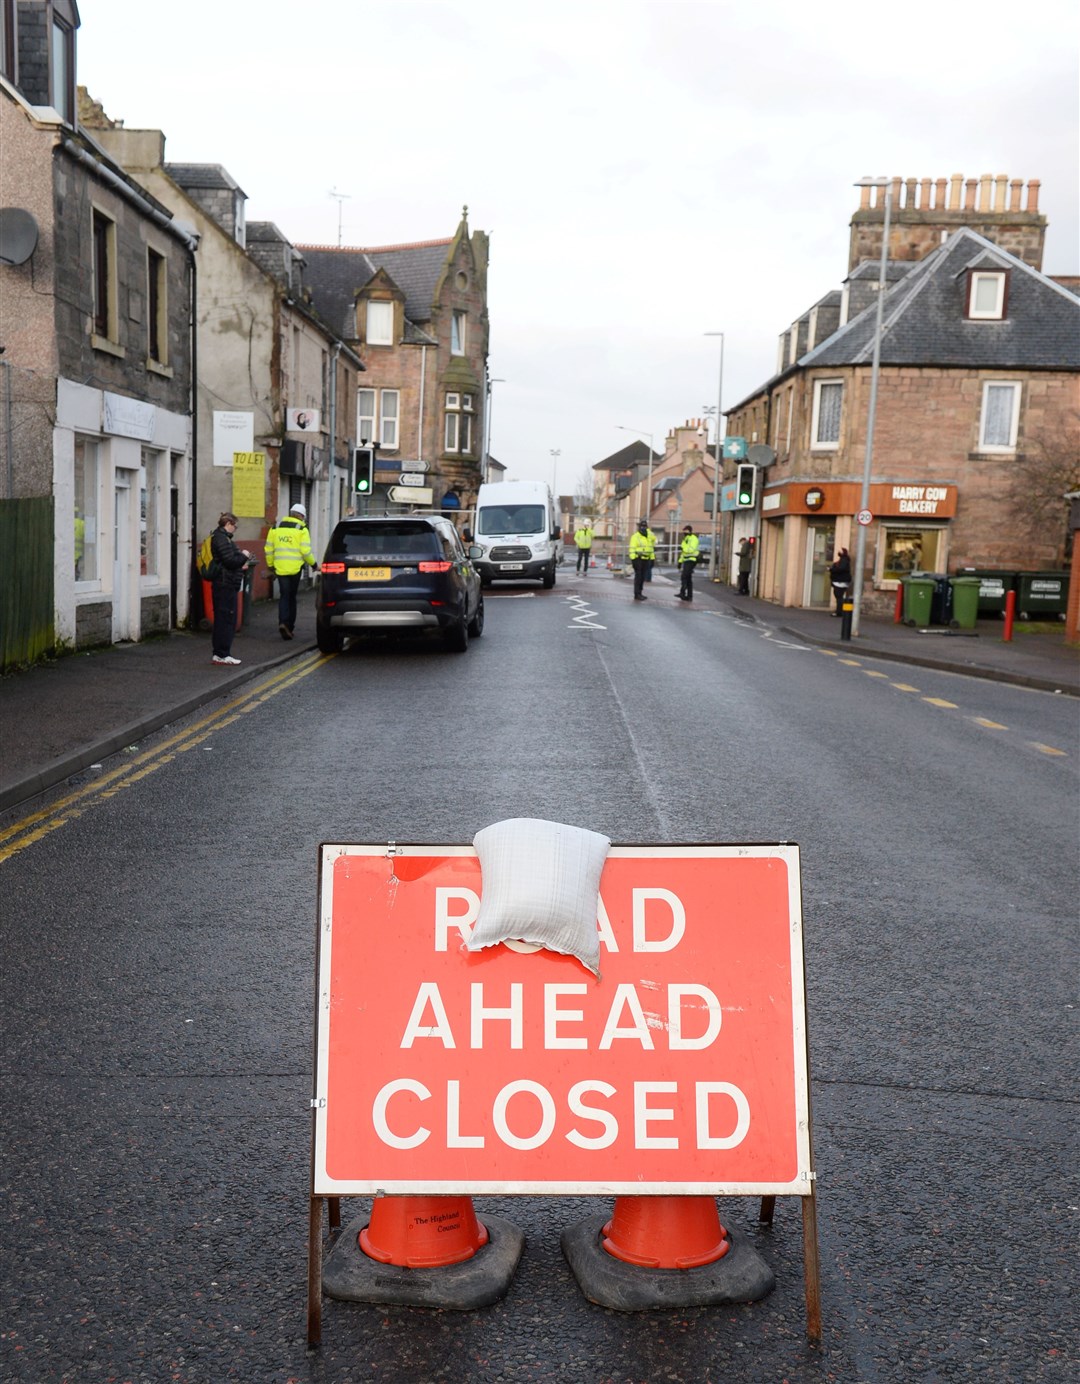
[[676, 1076]]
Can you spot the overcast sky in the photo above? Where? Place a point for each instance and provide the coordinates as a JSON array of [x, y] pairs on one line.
[[648, 172]]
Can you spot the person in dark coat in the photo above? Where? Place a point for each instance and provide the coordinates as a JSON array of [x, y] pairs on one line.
[[840, 578], [228, 578]]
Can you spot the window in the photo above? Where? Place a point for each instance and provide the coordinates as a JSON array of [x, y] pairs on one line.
[[987, 294], [377, 414], [150, 509], [62, 65], [904, 550], [86, 509], [156, 314], [104, 230], [365, 417], [388, 429], [380, 324], [457, 333], [828, 398], [458, 431], [1000, 416]]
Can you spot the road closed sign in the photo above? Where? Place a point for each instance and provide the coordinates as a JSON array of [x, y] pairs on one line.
[[681, 1069]]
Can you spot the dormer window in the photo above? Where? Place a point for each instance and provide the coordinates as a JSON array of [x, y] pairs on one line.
[[987, 294], [380, 324]]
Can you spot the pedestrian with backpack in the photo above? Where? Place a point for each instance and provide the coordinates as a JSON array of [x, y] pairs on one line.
[[288, 548], [227, 576]]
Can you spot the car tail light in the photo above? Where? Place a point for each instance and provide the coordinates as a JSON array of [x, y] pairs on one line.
[[435, 566], [335, 569]]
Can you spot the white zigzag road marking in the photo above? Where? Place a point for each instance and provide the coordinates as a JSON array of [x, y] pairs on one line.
[[581, 620]]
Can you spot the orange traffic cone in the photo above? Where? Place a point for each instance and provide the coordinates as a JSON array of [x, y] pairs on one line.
[[664, 1251], [666, 1232], [426, 1252], [422, 1232]]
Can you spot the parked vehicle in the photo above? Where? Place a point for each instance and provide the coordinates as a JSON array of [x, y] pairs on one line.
[[517, 532], [399, 574]]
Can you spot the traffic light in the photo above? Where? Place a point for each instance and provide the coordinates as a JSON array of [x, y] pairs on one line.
[[745, 486], [364, 466]]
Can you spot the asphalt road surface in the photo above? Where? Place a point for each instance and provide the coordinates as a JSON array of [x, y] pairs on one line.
[[157, 993]]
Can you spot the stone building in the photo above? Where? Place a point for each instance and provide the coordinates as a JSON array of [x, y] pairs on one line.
[[417, 316], [978, 385], [276, 397], [96, 292]]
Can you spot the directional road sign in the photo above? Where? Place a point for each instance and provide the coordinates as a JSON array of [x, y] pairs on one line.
[[411, 494]]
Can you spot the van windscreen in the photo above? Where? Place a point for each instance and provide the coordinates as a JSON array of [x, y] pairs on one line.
[[496, 519]]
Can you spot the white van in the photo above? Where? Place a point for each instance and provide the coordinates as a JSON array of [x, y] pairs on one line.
[[516, 532]]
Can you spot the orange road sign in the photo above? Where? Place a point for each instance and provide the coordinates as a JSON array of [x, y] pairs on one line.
[[682, 1069]]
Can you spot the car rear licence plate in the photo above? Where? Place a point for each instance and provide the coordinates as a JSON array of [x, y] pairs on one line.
[[511, 566], [369, 573]]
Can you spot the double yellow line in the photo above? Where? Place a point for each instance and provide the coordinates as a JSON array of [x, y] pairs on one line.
[[37, 825]]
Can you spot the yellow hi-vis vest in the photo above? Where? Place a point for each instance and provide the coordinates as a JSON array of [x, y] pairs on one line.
[[583, 538], [288, 547], [642, 544], [689, 548]]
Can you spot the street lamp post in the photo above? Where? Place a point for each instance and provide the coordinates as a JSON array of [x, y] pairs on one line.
[[648, 492], [555, 453], [871, 418], [714, 555], [487, 426]]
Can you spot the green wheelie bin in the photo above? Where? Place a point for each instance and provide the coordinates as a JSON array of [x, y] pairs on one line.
[[918, 599], [1042, 595], [965, 602]]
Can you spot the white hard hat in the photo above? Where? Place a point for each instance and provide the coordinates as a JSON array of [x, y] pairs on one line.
[[298, 509]]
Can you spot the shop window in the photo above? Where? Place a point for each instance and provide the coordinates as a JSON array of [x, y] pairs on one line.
[[86, 509], [150, 509], [906, 549], [828, 399], [1000, 416]]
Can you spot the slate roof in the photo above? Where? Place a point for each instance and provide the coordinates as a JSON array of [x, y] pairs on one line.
[[634, 454], [203, 175], [335, 275], [924, 322]]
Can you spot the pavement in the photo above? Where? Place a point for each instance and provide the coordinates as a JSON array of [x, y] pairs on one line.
[[66, 714]]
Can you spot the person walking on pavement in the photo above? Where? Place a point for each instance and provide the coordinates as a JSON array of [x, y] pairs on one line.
[[746, 561], [583, 539], [288, 548], [231, 562], [840, 578], [689, 549], [642, 552]]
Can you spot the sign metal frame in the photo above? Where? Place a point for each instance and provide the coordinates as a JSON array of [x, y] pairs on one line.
[[331, 1003]]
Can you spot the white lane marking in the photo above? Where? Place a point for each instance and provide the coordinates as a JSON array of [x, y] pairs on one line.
[[511, 595], [581, 620]]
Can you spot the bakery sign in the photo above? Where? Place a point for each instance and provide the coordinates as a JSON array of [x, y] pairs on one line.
[[922, 499]]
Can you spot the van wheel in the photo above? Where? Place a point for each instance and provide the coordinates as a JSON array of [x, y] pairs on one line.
[[456, 637], [549, 577], [485, 580], [476, 624]]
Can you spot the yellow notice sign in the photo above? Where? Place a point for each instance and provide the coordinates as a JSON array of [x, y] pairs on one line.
[[249, 484]]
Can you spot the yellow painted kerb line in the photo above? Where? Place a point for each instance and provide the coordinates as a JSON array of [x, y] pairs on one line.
[[38, 824]]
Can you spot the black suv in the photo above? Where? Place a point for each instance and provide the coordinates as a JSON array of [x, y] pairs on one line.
[[402, 573]]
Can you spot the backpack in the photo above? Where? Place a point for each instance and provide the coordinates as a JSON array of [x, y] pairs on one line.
[[208, 564]]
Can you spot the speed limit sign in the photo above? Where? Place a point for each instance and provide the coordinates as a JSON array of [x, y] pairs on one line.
[[864, 517]]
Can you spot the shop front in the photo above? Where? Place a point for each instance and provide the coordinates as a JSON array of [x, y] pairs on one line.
[[804, 524]]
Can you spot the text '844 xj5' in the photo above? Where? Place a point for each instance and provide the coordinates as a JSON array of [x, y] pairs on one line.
[[401, 574]]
